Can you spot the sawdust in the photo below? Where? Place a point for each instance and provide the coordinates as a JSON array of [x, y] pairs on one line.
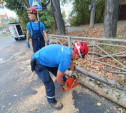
[[33, 100], [68, 104], [22, 55], [10, 49], [26, 56], [23, 60], [32, 77], [25, 65], [18, 54]]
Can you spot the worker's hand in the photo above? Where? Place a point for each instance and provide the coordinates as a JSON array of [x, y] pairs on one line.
[[28, 44], [47, 42]]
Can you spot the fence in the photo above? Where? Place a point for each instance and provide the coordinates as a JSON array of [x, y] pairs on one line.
[[106, 56]]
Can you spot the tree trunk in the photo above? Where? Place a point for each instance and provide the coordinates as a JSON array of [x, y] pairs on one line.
[[92, 17], [111, 18], [55, 4]]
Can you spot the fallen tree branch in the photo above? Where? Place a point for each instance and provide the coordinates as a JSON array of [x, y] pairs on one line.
[[114, 72], [107, 56], [99, 78]]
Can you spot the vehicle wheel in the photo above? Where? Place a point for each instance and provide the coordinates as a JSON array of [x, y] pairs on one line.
[[16, 39], [24, 37]]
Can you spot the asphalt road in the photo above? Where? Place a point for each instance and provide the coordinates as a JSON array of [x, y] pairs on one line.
[[21, 91]]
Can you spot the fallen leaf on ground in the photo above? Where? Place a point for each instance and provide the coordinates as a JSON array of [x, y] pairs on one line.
[[32, 109], [99, 104]]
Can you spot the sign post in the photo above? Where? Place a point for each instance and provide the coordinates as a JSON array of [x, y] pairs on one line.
[[36, 4]]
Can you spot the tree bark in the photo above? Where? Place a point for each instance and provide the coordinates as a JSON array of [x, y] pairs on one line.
[[55, 4], [92, 17], [111, 18]]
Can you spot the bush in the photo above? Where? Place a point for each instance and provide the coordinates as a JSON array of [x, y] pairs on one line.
[[46, 18]]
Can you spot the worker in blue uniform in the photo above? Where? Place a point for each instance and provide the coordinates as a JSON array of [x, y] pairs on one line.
[[36, 30], [56, 59]]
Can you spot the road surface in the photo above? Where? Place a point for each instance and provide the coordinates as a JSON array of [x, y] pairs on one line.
[[21, 91]]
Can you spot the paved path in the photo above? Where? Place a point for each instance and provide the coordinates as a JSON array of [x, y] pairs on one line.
[[71, 29], [21, 91]]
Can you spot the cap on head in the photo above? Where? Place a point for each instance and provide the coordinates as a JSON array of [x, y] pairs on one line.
[[32, 11], [81, 49]]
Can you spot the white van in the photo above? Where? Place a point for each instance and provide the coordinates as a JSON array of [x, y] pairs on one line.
[[16, 31]]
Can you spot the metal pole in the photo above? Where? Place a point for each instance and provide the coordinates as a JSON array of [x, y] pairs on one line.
[[38, 16], [92, 38], [69, 42]]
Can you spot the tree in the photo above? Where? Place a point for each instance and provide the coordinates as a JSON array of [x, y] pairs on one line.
[[44, 4], [63, 15], [99, 13], [27, 3], [111, 18], [92, 17], [81, 14], [20, 7], [55, 5], [12, 20], [47, 18]]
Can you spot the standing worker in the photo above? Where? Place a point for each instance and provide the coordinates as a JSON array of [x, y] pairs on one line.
[[57, 59], [35, 30]]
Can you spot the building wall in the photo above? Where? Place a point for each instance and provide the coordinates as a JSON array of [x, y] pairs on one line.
[[4, 21], [123, 2], [122, 10]]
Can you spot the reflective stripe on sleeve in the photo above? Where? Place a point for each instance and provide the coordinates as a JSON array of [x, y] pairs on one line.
[[62, 49], [50, 97]]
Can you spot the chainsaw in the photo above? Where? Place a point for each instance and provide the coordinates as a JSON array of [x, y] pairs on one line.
[[70, 83]]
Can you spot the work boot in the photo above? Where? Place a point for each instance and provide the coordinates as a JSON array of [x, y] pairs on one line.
[[56, 105]]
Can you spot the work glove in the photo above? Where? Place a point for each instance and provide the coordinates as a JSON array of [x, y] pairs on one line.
[[28, 44], [47, 42]]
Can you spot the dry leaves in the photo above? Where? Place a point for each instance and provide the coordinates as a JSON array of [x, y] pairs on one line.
[[98, 32], [97, 67]]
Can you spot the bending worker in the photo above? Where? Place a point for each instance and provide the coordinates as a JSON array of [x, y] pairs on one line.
[[57, 59], [35, 30]]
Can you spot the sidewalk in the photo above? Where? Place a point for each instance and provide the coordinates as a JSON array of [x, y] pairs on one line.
[[71, 29]]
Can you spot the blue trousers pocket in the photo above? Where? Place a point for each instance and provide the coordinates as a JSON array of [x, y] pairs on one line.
[[39, 67], [43, 73]]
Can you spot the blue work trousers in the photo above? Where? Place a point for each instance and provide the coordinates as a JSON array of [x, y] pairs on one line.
[[43, 73], [38, 44], [37, 38]]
